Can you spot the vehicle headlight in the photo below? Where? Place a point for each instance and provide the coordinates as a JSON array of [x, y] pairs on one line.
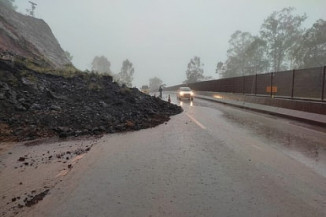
[[181, 93], [191, 93]]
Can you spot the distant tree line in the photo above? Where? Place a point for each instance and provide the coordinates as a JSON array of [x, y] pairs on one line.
[[102, 65], [282, 44]]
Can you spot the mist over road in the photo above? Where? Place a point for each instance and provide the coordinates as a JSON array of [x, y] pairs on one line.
[[210, 160]]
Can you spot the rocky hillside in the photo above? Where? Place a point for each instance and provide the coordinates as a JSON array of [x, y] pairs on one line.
[[29, 37], [34, 104]]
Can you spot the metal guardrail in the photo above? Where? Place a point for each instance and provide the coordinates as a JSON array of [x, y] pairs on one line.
[[304, 84]]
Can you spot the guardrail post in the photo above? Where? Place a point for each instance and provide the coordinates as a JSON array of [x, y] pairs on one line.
[[271, 84], [243, 84], [292, 88], [323, 88], [256, 84]]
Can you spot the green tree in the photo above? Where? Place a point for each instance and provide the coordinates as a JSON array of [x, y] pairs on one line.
[[237, 64], [101, 65], [9, 4], [125, 76], [219, 67], [281, 30], [312, 49], [155, 83], [246, 56], [255, 57], [194, 72]]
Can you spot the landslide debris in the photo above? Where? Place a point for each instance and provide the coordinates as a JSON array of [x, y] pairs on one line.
[[35, 199], [35, 104]]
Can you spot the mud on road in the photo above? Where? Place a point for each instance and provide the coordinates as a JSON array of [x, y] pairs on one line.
[[29, 170]]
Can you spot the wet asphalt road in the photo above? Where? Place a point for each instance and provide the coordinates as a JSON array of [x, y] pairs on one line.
[[211, 160]]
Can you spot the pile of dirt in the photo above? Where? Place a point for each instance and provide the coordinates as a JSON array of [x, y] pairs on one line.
[[34, 105]]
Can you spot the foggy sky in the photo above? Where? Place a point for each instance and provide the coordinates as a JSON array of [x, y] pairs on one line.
[[158, 36]]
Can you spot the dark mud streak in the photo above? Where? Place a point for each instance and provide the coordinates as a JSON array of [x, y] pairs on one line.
[[37, 198]]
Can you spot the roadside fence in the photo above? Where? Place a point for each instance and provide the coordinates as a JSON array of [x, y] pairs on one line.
[[304, 84]]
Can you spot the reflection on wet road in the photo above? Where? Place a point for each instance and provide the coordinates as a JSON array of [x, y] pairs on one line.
[[306, 143], [211, 160]]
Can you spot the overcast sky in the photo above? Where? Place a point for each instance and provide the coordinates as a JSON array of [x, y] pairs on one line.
[[158, 36]]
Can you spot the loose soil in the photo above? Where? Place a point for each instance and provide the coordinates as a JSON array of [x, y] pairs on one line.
[[35, 105]]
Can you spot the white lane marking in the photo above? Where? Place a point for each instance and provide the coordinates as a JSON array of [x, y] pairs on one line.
[[196, 122], [255, 146]]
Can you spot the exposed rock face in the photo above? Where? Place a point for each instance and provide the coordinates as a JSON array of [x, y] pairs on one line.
[[29, 37], [37, 105]]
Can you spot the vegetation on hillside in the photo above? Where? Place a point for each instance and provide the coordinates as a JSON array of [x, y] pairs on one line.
[[9, 3]]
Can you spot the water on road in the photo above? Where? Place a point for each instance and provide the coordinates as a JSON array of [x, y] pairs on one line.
[[211, 160]]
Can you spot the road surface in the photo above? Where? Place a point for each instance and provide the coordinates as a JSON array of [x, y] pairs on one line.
[[211, 160]]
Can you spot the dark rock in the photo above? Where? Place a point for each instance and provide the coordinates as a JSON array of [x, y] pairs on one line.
[[21, 159], [55, 108], [35, 106], [28, 82], [103, 104], [35, 199], [19, 107], [19, 132], [21, 100], [78, 133], [20, 206]]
